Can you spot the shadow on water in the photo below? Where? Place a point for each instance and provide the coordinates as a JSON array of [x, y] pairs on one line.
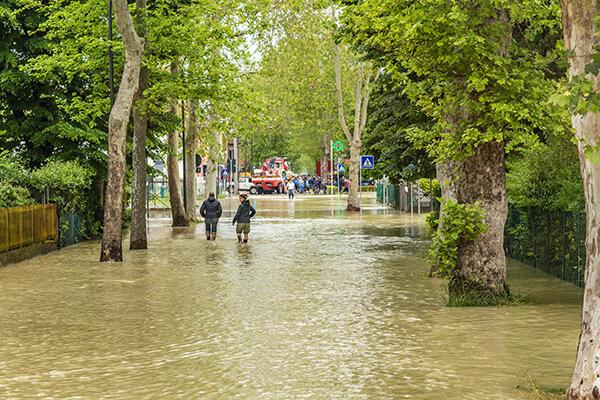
[[319, 304]]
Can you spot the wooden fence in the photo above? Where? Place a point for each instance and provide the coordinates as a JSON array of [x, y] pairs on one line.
[[22, 226]]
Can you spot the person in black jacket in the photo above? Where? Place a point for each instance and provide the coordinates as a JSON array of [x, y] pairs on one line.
[[211, 210], [242, 217]]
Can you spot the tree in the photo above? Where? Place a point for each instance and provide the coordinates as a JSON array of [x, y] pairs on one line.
[[178, 213], [289, 106], [191, 138], [138, 238], [474, 68], [117, 133], [391, 117], [582, 40], [361, 105]]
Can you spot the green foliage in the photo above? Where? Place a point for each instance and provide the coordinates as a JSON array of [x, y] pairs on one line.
[[433, 219], [12, 169], [291, 104], [12, 196], [67, 183], [430, 186], [482, 71], [461, 222], [546, 177], [391, 117], [13, 181]]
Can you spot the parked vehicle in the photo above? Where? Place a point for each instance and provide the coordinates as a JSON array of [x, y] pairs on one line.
[[269, 184], [247, 185]]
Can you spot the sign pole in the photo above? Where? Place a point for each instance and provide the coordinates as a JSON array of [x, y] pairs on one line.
[[331, 162], [360, 186], [338, 177]]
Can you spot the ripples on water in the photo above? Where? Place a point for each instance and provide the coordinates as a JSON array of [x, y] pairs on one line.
[[320, 305]]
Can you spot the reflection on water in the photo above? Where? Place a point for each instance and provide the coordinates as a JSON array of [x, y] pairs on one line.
[[318, 305]]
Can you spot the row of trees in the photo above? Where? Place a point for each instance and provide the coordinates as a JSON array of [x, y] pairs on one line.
[[180, 65]]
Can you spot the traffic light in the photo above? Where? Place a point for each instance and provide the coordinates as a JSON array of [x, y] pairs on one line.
[[198, 164], [231, 166]]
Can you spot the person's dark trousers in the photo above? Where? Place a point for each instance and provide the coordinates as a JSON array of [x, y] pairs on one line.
[[211, 228]]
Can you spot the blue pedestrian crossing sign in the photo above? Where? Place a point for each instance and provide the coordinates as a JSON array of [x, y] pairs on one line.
[[367, 162], [341, 168]]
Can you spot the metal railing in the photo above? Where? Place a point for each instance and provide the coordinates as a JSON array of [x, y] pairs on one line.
[[405, 197], [25, 225], [552, 241]]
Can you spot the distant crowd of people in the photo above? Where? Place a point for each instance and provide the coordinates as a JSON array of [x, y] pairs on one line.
[[314, 185]]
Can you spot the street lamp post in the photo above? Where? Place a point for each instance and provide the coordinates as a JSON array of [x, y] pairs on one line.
[[111, 68], [185, 204]]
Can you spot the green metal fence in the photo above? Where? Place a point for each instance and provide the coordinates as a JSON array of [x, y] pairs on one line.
[[71, 229], [404, 197], [552, 241]]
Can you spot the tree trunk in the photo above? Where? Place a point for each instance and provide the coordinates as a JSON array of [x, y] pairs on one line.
[[138, 239], [177, 210], [191, 138], [481, 266], [581, 39], [112, 237], [212, 165], [210, 184], [353, 192]]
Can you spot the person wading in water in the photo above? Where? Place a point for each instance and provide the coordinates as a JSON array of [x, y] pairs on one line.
[[242, 217], [211, 211]]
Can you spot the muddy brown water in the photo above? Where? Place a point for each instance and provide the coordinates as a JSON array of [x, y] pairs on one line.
[[319, 305]]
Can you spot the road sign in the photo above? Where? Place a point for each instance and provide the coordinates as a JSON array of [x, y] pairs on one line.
[[338, 146], [341, 168], [367, 162]]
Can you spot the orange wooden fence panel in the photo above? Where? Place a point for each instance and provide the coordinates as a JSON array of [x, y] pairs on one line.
[[22, 226], [3, 230]]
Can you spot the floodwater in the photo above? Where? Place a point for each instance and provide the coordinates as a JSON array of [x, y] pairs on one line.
[[319, 305]]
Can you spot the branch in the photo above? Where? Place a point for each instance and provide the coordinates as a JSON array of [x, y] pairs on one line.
[[340, 96], [365, 105], [357, 105], [132, 42]]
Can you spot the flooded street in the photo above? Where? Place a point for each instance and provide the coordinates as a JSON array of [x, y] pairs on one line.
[[319, 305]]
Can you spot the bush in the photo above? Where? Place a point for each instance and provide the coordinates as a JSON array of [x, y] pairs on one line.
[[433, 219], [67, 182], [461, 221], [13, 196], [13, 170]]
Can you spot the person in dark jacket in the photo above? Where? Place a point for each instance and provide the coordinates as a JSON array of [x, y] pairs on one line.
[[244, 213], [211, 211]]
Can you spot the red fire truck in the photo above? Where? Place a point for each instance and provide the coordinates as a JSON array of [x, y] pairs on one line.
[[270, 178]]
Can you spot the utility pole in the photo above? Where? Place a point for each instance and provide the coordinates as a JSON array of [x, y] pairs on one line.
[[111, 68], [236, 157], [338, 177], [331, 162], [185, 205]]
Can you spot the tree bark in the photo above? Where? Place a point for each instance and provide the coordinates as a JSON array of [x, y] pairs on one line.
[[481, 266], [581, 39], [138, 239], [212, 164], [354, 175], [178, 213], [112, 238], [191, 138]]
